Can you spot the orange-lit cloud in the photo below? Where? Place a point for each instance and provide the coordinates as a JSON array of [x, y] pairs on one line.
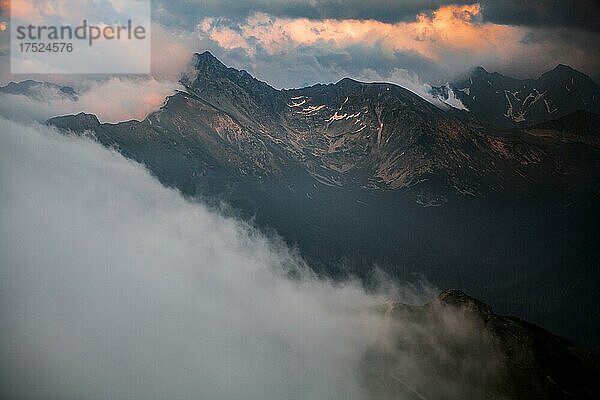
[[39, 11], [26, 9], [449, 28]]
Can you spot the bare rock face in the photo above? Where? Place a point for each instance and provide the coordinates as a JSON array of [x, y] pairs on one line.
[[458, 299]]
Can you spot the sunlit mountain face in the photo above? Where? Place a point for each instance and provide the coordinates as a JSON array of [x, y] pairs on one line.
[[302, 199]]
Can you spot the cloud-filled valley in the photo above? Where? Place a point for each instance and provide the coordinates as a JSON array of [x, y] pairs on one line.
[[117, 287]]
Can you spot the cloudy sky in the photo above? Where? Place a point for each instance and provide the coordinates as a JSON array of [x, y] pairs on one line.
[[301, 42]]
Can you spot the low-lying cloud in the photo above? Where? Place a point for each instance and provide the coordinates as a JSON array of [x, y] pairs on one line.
[[112, 100], [114, 286], [411, 81]]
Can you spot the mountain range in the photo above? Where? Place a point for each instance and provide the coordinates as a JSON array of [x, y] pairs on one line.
[[368, 179], [502, 101], [41, 91]]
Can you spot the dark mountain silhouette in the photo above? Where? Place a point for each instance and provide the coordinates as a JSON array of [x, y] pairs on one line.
[[40, 90], [502, 101]]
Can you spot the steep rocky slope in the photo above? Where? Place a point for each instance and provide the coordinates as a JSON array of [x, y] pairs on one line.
[[361, 175]]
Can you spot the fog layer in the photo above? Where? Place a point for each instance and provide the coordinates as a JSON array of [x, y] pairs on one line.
[[113, 286], [116, 287]]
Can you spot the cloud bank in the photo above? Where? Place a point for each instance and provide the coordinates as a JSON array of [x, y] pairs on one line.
[[116, 287], [450, 28], [440, 44]]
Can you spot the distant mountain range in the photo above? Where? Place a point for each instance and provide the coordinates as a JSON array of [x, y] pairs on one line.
[[502, 101], [366, 177], [41, 91]]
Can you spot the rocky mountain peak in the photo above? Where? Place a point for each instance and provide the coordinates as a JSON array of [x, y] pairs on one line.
[[206, 72], [206, 61], [480, 71], [563, 67], [206, 56], [458, 298], [348, 82], [203, 66], [562, 74]]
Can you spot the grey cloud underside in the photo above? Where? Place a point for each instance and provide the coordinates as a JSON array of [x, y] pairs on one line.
[[576, 14]]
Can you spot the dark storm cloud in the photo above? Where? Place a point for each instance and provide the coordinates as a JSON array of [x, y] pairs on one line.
[[576, 14], [188, 11]]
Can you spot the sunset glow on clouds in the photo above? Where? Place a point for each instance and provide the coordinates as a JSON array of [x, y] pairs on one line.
[[66, 9], [438, 44], [41, 11], [448, 28]]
